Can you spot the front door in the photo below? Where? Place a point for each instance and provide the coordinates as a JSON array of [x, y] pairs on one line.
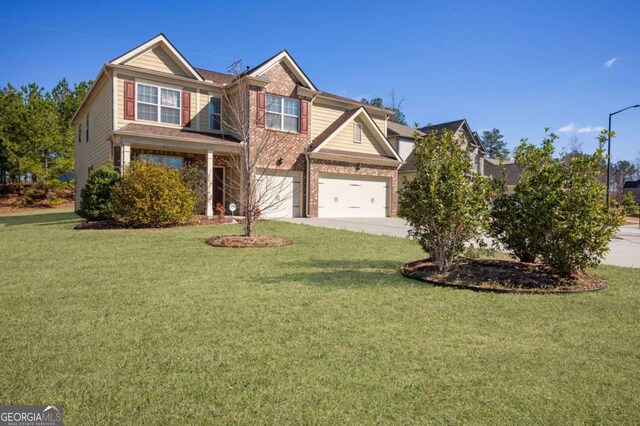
[[218, 186]]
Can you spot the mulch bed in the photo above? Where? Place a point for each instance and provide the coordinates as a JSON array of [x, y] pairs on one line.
[[240, 241], [502, 276], [197, 221]]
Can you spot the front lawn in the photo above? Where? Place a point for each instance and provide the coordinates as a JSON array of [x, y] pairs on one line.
[[157, 327]]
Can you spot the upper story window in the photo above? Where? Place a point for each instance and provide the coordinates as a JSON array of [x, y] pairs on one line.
[[168, 104], [86, 128], [79, 132], [357, 132], [283, 113], [215, 108]]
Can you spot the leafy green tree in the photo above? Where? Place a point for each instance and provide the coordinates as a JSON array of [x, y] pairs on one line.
[[36, 133], [494, 144], [446, 203]]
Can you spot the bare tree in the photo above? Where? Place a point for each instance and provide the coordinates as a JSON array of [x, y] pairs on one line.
[[257, 192]]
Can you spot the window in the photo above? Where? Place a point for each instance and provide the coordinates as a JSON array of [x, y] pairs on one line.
[[175, 162], [282, 113], [86, 125], [80, 133], [214, 113], [357, 133], [149, 102]]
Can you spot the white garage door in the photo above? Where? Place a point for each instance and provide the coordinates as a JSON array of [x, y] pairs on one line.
[[279, 193], [346, 197]]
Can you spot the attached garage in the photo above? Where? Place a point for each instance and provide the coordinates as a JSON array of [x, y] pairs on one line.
[[347, 196], [279, 193]]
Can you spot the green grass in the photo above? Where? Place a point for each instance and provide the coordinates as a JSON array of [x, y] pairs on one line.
[[156, 327]]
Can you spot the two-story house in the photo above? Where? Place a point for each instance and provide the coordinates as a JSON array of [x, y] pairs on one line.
[[402, 139], [151, 104]]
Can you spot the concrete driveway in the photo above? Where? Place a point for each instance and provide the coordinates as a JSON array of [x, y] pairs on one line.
[[625, 247]]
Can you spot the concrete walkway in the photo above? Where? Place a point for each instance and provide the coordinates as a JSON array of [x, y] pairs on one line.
[[625, 247]]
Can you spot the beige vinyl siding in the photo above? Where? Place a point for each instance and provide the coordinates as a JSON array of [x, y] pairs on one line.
[[323, 114], [343, 141], [97, 151], [157, 59]]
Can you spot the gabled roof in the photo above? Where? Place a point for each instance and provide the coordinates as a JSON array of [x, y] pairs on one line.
[[454, 126], [395, 129], [159, 40], [285, 57], [341, 122]]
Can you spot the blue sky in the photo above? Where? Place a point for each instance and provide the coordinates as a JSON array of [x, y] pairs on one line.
[[511, 65]]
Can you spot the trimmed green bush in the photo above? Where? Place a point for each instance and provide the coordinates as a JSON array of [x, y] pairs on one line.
[[558, 211], [95, 196], [151, 195]]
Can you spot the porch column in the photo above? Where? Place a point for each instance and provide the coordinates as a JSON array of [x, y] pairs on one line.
[[209, 183], [126, 155]]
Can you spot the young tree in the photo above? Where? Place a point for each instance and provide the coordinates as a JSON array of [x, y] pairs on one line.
[[446, 203], [494, 144], [257, 191]]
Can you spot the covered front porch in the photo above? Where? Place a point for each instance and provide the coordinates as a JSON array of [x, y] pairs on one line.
[[217, 159]]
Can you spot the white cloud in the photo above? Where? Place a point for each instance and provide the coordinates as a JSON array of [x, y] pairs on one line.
[[608, 64], [590, 129], [574, 128], [569, 128]]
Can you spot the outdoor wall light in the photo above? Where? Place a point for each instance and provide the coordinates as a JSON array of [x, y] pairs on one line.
[[279, 161]]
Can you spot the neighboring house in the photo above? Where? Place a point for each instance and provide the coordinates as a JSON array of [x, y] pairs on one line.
[[152, 104], [502, 170], [632, 186], [461, 130], [401, 138]]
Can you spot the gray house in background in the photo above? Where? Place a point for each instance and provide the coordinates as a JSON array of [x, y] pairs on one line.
[[401, 138], [632, 186], [493, 169]]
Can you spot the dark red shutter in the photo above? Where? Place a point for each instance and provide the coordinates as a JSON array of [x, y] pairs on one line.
[[186, 109], [129, 100], [304, 116], [260, 109]]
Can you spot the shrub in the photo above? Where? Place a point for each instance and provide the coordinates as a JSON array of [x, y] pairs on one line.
[[446, 203], [151, 195], [513, 222], [629, 204], [558, 210], [196, 179], [95, 196]]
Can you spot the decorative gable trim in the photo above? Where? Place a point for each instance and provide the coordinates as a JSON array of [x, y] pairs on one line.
[[162, 41], [371, 125], [289, 62]]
